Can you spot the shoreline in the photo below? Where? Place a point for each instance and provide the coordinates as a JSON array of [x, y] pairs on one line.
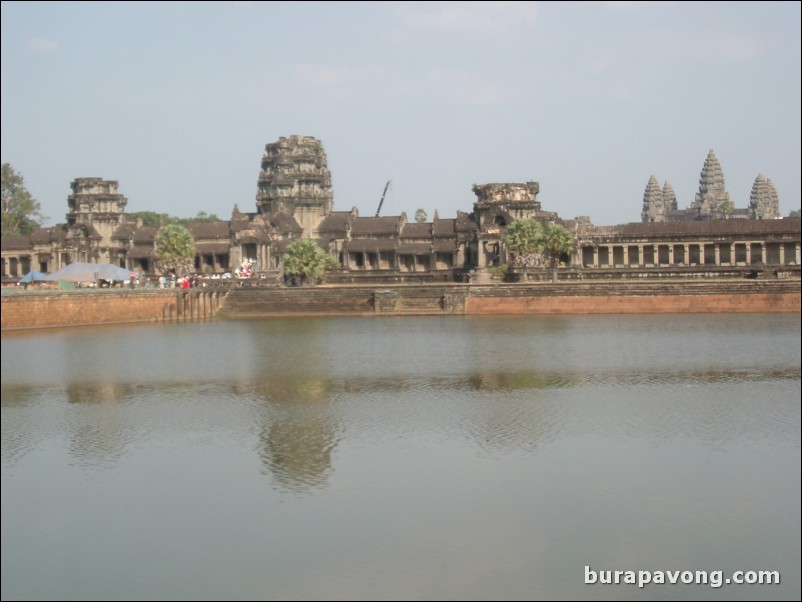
[[30, 310]]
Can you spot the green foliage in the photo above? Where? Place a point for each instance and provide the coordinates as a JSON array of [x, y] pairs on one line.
[[304, 258], [175, 249], [154, 220], [150, 218], [556, 241], [21, 212], [498, 272], [524, 237], [726, 207], [797, 213], [420, 216], [205, 217]]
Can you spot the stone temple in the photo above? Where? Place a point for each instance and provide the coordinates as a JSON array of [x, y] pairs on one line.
[[712, 201], [294, 200]]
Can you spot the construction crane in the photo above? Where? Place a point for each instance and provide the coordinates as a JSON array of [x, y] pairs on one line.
[[386, 186]]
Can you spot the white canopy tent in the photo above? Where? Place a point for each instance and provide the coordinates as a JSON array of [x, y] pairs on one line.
[[90, 272]]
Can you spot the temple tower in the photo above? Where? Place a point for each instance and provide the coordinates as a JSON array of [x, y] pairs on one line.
[[669, 197], [653, 206], [764, 202], [712, 201], [96, 209], [295, 180]]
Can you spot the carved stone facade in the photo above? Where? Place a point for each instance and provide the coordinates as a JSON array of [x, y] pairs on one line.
[[294, 200], [295, 180]]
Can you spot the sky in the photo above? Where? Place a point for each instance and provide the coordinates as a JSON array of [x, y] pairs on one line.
[[176, 101]]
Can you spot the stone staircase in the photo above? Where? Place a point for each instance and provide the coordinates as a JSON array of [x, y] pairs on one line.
[[255, 301]]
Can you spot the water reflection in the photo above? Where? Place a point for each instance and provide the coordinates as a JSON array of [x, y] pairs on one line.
[[416, 458], [298, 430]]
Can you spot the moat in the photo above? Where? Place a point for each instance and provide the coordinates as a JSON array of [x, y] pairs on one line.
[[415, 458]]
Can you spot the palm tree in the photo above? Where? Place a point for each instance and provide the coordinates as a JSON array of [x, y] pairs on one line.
[[307, 260], [524, 237], [556, 241]]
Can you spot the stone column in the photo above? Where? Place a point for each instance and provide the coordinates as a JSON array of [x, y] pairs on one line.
[[797, 254], [763, 253], [732, 254], [640, 255], [687, 251], [748, 246], [670, 254], [595, 256], [626, 256], [610, 256], [782, 253], [717, 253]]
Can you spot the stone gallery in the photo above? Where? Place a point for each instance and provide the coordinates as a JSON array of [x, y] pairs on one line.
[[294, 200]]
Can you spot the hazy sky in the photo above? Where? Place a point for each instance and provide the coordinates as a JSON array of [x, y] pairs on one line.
[[177, 101]]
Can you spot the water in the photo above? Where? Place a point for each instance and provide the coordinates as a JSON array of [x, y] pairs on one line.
[[401, 458]]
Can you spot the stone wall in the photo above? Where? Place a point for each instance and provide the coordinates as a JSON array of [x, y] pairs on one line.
[[49, 309], [42, 310], [636, 304]]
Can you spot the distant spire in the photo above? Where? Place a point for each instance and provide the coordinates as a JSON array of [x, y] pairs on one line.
[[712, 193], [669, 197], [652, 202], [757, 197], [436, 216], [774, 200], [763, 201]]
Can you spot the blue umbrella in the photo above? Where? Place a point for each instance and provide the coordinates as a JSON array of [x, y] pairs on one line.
[[32, 276]]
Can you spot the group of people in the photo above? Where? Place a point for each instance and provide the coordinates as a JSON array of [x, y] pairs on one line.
[[246, 269]]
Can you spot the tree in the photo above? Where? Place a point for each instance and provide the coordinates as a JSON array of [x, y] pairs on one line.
[[21, 212], [796, 213], [524, 238], [556, 241], [175, 249], [151, 218], [420, 216], [307, 260], [205, 217]]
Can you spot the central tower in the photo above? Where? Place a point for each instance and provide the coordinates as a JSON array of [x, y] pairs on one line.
[[295, 180]]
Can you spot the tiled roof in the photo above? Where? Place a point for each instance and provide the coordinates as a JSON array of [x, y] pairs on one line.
[[42, 236], [373, 226], [209, 230], [444, 227], [15, 243], [335, 222], [722, 227], [124, 231], [145, 234], [444, 245], [253, 235], [284, 223], [416, 230]]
